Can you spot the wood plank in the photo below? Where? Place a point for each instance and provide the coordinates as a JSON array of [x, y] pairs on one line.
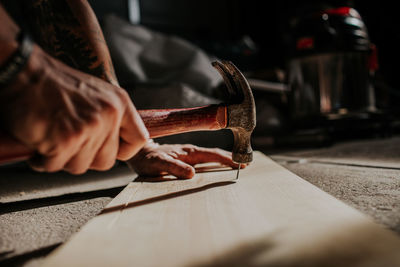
[[269, 217], [373, 191]]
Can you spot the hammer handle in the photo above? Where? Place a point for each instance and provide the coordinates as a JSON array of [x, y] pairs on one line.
[[159, 122], [163, 122]]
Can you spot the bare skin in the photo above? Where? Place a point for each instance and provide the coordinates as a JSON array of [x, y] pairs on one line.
[[69, 31], [80, 121], [177, 160], [73, 120]]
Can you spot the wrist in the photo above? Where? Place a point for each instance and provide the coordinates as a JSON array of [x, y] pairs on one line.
[[28, 76], [15, 61], [17, 96], [7, 48]]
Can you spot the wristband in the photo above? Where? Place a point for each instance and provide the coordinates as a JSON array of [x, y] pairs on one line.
[[17, 61]]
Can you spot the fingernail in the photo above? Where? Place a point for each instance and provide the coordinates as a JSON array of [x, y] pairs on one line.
[[37, 168], [189, 173], [36, 163]]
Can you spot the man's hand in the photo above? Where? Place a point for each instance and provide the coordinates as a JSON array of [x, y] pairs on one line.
[[74, 121], [177, 160]]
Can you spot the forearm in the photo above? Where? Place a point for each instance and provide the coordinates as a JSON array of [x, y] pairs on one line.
[[69, 31], [8, 46], [73, 121]]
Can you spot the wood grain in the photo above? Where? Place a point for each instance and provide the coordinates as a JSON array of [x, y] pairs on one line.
[[269, 217], [164, 122]]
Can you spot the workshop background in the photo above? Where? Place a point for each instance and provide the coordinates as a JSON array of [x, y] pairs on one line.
[[324, 80], [262, 38]]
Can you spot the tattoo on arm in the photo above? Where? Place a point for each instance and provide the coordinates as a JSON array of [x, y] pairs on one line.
[[59, 30]]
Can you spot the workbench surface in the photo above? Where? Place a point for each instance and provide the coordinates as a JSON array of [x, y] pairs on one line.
[[364, 174]]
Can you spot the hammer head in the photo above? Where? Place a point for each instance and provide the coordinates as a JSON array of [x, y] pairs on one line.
[[241, 114]]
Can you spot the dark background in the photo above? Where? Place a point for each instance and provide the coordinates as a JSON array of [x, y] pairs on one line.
[[218, 26]]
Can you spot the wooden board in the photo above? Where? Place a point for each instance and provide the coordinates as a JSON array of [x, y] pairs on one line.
[[269, 217]]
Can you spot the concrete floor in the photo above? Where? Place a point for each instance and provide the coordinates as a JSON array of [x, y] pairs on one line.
[[42, 228], [364, 174]]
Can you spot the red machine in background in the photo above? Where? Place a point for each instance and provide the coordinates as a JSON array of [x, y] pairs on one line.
[[331, 65]]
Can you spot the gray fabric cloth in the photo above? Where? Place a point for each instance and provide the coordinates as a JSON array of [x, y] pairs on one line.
[[164, 71], [143, 56], [174, 95]]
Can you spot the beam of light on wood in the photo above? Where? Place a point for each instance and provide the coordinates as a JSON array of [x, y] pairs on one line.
[[269, 217]]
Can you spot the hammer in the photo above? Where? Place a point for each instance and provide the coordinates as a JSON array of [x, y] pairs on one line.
[[239, 116]]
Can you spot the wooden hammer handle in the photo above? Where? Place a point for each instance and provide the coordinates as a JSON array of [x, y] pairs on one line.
[[159, 122], [163, 122]]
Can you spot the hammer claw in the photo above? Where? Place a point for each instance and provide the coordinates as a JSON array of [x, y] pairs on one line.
[[239, 116], [231, 83], [242, 114]]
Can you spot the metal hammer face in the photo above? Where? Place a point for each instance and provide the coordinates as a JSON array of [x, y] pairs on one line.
[[242, 115]]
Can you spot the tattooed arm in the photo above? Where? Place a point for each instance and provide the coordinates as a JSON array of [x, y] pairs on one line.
[[70, 133], [74, 121], [69, 31]]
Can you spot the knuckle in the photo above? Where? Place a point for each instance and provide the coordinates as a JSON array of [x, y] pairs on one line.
[[25, 132], [76, 130], [48, 148], [52, 168], [75, 167], [109, 164], [138, 146], [105, 165], [124, 96], [128, 150], [94, 121], [63, 144], [68, 133], [190, 148], [109, 115], [76, 170], [69, 138], [142, 140], [111, 109], [52, 165]]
